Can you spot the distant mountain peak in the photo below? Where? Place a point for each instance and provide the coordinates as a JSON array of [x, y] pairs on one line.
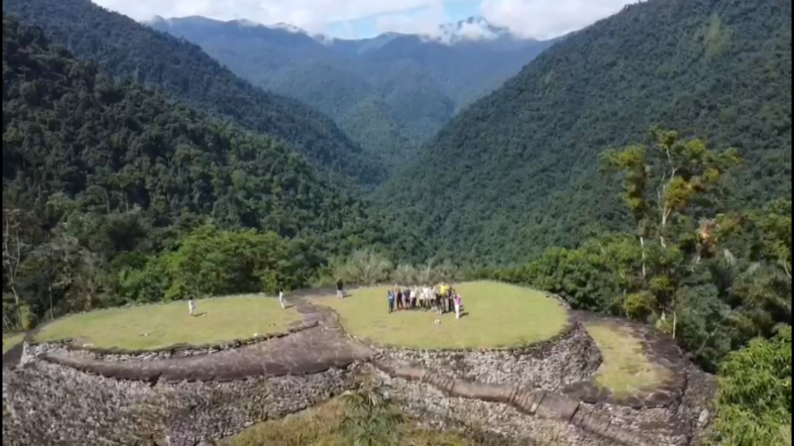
[[475, 28]]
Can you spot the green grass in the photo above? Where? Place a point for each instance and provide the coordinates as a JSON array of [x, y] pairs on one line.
[[321, 425], [160, 325], [498, 315], [9, 341], [625, 369]]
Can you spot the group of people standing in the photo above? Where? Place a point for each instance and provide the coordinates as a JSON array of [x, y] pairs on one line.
[[441, 299]]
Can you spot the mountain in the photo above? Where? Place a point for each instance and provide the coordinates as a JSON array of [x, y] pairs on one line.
[[184, 72], [518, 171], [422, 80], [79, 144]]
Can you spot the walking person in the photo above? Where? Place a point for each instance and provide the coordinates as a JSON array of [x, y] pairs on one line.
[[339, 288], [450, 299], [281, 298], [191, 306], [414, 298], [399, 294], [457, 303], [390, 296]]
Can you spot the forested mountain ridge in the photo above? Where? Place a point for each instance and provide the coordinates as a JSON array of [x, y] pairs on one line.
[[99, 174], [416, 83], [518, 171], [184, 72]]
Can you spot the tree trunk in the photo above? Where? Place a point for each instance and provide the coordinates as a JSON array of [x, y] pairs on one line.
[[643, 257], [52, 316], [16, 302]]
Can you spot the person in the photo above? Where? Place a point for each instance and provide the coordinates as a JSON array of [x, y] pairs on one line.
[[390, 296], [339, 288], [457, 303], [414, 298], [444, 289], [407, 297], [399, 295], [191, 306], [281, 298], [450, 299]]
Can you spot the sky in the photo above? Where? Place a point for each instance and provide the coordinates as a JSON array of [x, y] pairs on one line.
[[356, 19]]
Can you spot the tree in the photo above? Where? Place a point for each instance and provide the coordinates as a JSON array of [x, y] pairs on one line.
[[364, 266], [666, 190], [13, 249]]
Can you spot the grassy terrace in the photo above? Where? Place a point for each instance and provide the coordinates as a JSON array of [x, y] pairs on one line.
[[9, 341], [495, 315], [159, 325], [625, 369]]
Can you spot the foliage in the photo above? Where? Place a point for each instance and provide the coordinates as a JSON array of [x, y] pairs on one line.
[[517, 172], [209, 262], [181, 70], [369, 419], [324, 424], [363, 266], [754, 405]]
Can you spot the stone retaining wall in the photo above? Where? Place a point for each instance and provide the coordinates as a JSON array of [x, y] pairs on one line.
[[49, 404], [548, 417], [570, 357], [35, 349]]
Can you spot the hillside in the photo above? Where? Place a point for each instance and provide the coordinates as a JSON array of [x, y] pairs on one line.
[[184, 72], [518, 171], [129, 167], [422, 82]]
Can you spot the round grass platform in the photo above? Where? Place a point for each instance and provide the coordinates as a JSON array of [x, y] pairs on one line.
[[495, 315], [215, 320]]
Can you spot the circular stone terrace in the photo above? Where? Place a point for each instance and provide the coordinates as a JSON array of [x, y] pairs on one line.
[[494, 315], [513, 345]]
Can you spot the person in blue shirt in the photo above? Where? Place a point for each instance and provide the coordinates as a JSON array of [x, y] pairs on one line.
[[391, 297]]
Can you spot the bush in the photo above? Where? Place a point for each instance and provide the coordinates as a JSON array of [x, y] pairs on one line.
[[754, 405]]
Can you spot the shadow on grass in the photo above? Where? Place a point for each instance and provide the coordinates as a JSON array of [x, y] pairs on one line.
[[200, 314]]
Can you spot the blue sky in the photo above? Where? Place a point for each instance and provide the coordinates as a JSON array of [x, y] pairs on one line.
[[367, 18], [368, 26]]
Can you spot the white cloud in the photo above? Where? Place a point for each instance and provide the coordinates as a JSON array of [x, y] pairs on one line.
[[433, 23], [312, 15], [529, 18], [544, 19]]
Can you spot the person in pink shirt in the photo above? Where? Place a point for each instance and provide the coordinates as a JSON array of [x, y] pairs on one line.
[[457, 304]]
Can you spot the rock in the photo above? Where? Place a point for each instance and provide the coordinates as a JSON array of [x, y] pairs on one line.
[[703, 418], [55, 405]]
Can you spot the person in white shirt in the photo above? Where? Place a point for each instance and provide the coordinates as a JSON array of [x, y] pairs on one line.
[[191, 306], [281, 298]]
